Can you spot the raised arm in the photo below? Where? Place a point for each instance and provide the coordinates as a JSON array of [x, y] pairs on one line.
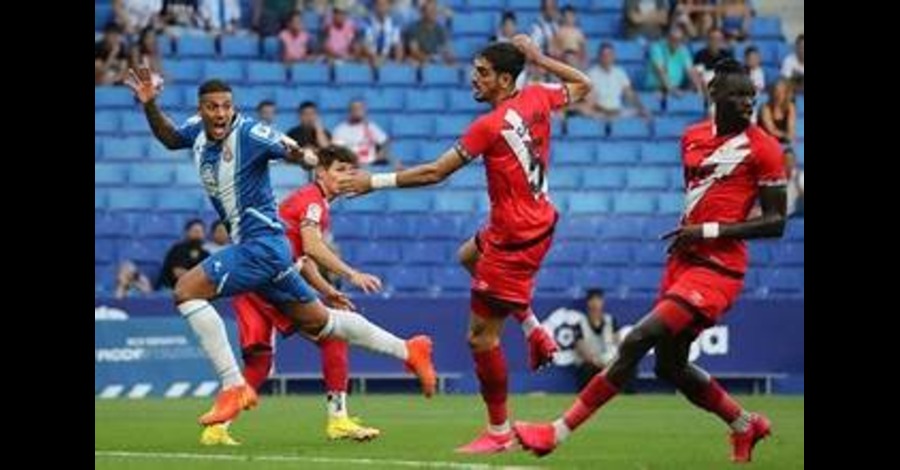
[[140, 81], [577, 83]]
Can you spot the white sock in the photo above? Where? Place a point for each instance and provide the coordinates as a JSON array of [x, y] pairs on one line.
[[210, 330], [530, 324], [499, 428], [742, 423], [357, 330], [337, 404], [562, 431]]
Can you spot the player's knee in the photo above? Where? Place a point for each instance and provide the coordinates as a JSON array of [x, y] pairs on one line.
[[181, 293], [638, 341], [480, 340]]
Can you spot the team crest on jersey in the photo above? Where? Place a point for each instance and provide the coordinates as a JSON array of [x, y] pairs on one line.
[[208, 177], [227, 154]]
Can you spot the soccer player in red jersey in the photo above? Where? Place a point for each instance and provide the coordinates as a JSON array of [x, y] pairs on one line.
[[728, 164], [305, 213], [505, 255]]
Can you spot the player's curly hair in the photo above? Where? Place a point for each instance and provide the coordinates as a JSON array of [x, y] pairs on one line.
[[504, 58], [336, 153]]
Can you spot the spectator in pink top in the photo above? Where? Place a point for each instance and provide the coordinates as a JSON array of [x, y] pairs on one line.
[[295, 41], [339, 35]]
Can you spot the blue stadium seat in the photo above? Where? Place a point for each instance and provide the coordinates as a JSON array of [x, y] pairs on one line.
[[647, 178], [183, 200], [644, 280], [429, 253], [603, 178], [186, 175], [800, 131], [134, 122], [336, 100], [245, 47], [565, 178], [786, 280], [521, 5], [766, 27], [397, 74], [582, 127], [130, 199], [617, 152], [634, 203], [350, 227], [451, 279], [381, 252], [690, 103], [426, 100], [408, 279], [654, 227], [794, 230], [660, 152], [158, 225], [440, 75], [409, 201], [124, 148], [353, 74], [376, 202], [621, 228], [103, 14], [106, 121], [650, 253], [671, 203], [101, 198], [610, 254], [138, 251], [112, 96], [484, 4], [112, 224], [474, 24], [432, 149], [384, 99], [271, 48], [196, 46], [106, 174], [760, 252], [410, 125], [670, 127], [554, 279], [589, 278], [788, 254], [576, 228], [310, 73], [628, 51], [173, 97], [141, 174], [451, 126], [629, 128], [603, 25], [462, 101], [455, 201], [590, 203], [440, 227], [104, 251], [266, 72], [650, 99], [405, 150], [565, 152], [228, 70], [466, 47], [567, 254], [183, 71]]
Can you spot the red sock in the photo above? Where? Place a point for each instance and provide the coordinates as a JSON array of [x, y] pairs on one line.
[[257, 366], [335, 364], [490, 367], [597, 392], [715, 399]]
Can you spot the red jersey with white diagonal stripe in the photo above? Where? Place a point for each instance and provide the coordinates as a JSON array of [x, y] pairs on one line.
[[514, 139], [305, 205], [722, 175]]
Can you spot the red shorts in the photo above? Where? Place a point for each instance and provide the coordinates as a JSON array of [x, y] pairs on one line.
[[507, 273], [257, 321], [701, 295]]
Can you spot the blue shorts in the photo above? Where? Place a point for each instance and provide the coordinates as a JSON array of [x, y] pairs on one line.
[[262, 265]]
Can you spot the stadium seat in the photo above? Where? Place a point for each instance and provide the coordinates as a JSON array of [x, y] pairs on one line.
[[266, 72], [610, 178], [245, 47], [397, 74], [440, 75]]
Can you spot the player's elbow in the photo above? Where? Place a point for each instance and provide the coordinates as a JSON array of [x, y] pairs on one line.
[[580, 89]]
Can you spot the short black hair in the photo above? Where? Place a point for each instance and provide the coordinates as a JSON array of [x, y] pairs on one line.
[[215, 224], [262, 104], [750, 50], [336, 153], [504, 58], [213, 86], [724, 67], [605, 45], [594, 292], [306, 104], [190, 223], [508, 15], [566, 8]]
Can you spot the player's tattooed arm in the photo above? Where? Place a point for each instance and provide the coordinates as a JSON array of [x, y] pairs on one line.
[[145, 89], [770, 224], [577, 83]]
